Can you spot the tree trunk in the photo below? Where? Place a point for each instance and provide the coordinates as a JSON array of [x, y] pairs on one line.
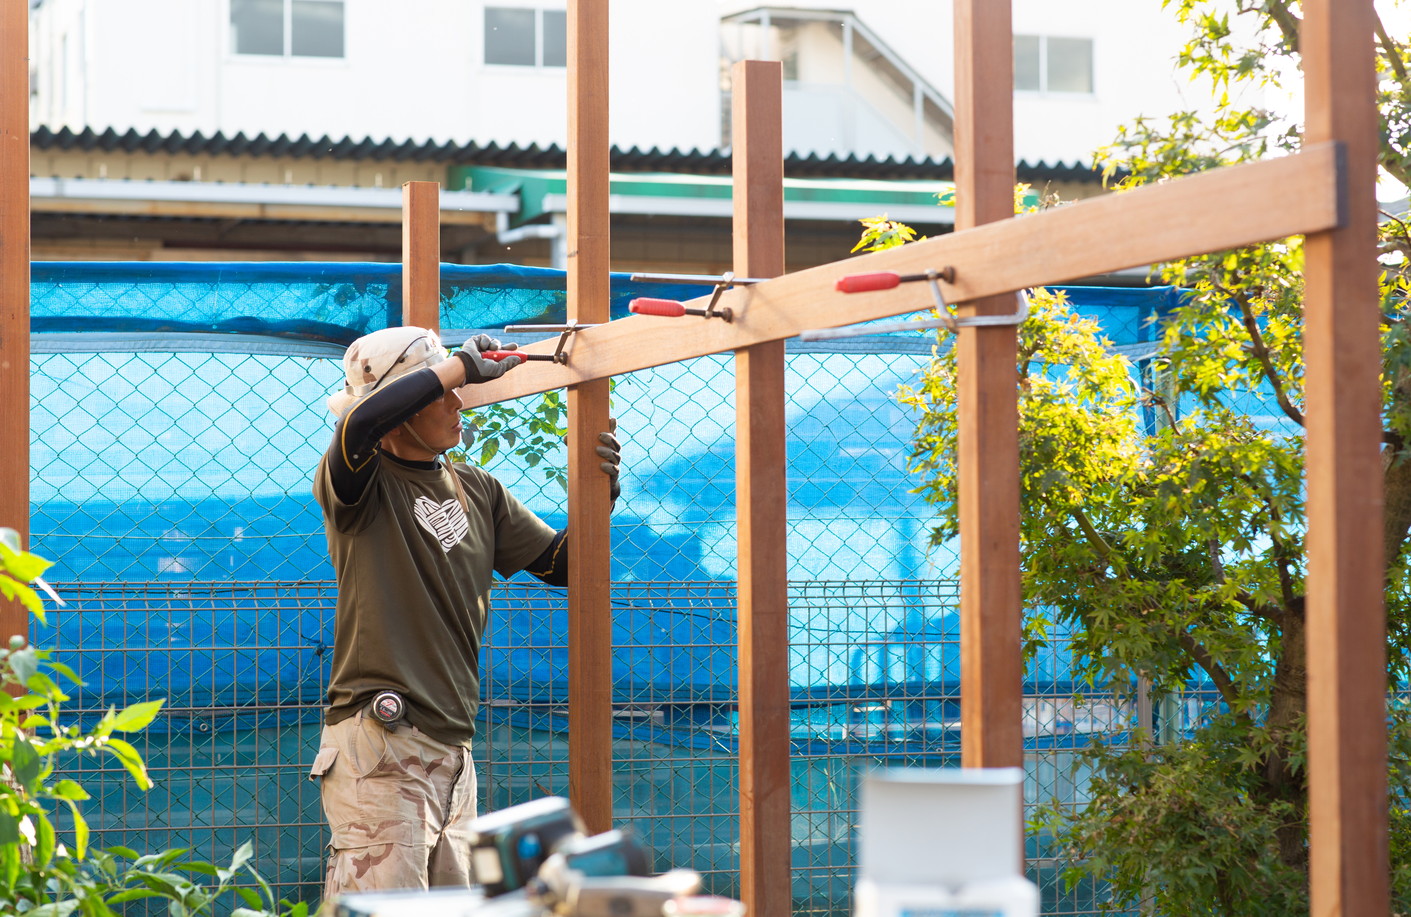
[[1288, 705], [1397, 485]]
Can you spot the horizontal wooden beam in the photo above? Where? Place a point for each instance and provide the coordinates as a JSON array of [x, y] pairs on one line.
[[1213, 211]]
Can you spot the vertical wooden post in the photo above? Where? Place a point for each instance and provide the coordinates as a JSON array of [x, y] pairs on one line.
[[14, 287], [990, 601], [421, 254], [1346, 619], [589, 547], [762, 500]]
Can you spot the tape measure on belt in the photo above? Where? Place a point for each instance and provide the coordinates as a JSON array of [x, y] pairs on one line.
[[389, 708]]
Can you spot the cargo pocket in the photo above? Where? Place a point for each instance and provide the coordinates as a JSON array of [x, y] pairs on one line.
[[323, 761]]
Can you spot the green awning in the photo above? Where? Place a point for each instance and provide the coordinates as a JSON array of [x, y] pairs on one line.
[[544, 191]]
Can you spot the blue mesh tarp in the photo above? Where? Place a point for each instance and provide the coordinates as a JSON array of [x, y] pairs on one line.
[[146, 482], [178, 414], [321, 302]]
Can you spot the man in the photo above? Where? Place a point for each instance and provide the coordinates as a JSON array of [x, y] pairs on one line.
[[414, 541]]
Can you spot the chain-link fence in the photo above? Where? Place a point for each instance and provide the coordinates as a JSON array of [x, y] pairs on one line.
[[173, 450]]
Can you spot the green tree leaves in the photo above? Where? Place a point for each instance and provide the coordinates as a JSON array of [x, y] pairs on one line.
[[533, 433]]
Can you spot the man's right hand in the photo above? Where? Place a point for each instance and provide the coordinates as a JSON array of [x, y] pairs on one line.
[[477, 367]]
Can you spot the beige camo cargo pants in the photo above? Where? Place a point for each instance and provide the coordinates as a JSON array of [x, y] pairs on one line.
[[398, 804]]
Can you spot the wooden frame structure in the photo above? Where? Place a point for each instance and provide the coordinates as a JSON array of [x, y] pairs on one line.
[[761, 502], [14, 287], [589, 550], [1346, 620], [421, 254], [993, 257], [991, 607]]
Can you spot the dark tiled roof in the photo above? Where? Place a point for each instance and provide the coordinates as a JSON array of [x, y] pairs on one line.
[[532, 156]]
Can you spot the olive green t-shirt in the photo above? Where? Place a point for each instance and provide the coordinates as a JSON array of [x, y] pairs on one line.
[[414, 575]]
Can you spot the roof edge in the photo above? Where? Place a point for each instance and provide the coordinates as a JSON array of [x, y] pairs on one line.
[[633, 159]]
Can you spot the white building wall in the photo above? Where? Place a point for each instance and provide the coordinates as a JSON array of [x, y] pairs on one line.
[[414, 70], [1135, 43], [836, 99], [155, 64]]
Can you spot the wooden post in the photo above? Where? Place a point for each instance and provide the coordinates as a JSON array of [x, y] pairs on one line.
[[14, 288], [762, 500], [421, 254], [589, 547], [1346, 621], [988, 462]]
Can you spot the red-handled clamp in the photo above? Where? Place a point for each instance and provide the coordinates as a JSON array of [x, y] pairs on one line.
[[498, 355], [886, 280], [559, 355], [672, 308]]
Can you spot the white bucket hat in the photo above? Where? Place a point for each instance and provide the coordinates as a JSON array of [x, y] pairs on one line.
[[374, 360]]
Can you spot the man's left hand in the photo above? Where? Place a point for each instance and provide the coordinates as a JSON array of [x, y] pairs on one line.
[[610, 451]]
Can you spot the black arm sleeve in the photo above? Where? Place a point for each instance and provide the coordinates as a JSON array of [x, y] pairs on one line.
[[552, 566], [353, 454]]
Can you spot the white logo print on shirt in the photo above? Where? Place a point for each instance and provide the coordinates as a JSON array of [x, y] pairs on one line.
[[446, 521]]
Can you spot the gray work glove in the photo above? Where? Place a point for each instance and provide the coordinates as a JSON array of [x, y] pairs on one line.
[[479, 369], [610, 451]]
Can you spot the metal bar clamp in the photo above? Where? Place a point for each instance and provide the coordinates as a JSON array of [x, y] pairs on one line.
[[886, 280], [672, 308], [559, 355]]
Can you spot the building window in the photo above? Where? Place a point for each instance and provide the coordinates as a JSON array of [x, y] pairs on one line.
[[525, 37], [287, 28], [1044, 63]]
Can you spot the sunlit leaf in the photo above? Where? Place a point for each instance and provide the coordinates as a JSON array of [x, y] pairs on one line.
[[137, 716], [131, 760]]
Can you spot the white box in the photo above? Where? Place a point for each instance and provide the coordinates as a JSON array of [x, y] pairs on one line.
[[436, 902], [1011, 897], [941, 826]]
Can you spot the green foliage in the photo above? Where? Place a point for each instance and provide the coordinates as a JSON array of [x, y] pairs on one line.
[[531, 433], [534, 433], [1399, 821], [1194, 815], [1175, 550], [19, 568], [51, 871], [879, 233]]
